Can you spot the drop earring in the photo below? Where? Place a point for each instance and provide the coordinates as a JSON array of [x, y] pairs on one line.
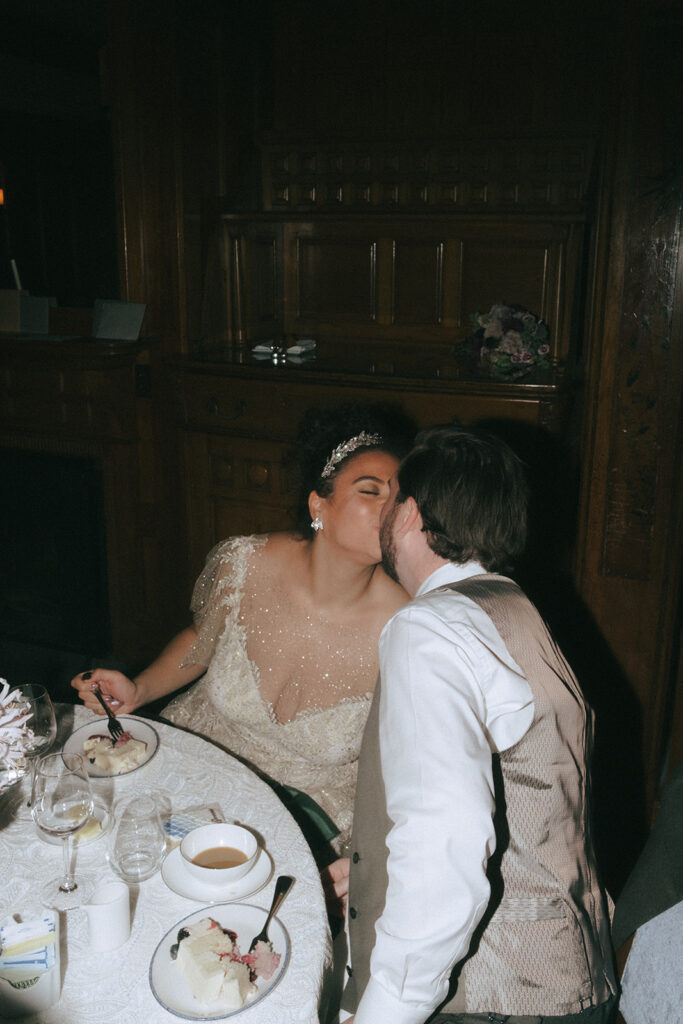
[[317, 524]]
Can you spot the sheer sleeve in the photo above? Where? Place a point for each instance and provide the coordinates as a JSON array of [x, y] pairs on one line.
[[218, 593]]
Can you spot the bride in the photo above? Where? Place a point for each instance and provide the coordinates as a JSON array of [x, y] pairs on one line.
[[286, 627]]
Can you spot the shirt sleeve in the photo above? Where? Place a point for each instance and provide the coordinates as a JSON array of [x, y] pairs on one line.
[[440, 688]]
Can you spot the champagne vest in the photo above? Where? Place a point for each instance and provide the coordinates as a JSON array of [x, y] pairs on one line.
[[543, 946]]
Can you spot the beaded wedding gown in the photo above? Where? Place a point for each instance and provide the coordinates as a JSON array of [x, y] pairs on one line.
[[251, 633]]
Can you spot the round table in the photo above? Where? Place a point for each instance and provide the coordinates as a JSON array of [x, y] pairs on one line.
[[113, 987]]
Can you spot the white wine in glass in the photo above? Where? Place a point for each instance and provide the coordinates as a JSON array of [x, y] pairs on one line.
[[61, 803]]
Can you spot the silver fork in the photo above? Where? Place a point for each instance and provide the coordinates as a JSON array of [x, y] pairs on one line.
[[282, 887], [116, 730]]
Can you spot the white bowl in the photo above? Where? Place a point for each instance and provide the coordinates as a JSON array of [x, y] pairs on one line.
[[208, 837]]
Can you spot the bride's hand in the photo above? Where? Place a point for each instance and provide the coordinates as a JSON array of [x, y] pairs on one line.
[[118, 690], [335, 881]]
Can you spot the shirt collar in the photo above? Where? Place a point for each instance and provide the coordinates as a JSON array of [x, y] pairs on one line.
[[449, 573]]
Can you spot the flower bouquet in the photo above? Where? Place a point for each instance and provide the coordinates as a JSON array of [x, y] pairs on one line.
[[15, 735], [507, 343]]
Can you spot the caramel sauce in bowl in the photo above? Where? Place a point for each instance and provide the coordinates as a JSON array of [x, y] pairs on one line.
[[220, 857], [218, 854]]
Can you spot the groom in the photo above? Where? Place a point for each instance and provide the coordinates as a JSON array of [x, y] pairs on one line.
[[473, 883]]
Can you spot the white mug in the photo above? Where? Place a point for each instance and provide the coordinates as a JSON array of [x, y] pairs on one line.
[[108, 913]]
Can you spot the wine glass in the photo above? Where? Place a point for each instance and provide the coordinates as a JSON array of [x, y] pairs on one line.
[[42, 723], [61, 803]]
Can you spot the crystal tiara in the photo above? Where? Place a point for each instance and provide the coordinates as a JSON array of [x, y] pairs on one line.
[[343, 450]]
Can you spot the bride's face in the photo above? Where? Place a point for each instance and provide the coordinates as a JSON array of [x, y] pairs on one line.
[[351, 514]]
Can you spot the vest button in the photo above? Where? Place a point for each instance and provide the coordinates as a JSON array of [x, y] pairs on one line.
[[353, 912], [356, 857]]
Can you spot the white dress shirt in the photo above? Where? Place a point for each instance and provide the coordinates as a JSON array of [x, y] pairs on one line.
[[451, 697]]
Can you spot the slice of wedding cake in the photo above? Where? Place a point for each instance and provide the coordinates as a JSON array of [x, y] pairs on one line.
[[210, 960], [217, 972], [114, 757]]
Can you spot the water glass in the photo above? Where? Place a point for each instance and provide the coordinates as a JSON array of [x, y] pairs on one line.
[[137, 843]]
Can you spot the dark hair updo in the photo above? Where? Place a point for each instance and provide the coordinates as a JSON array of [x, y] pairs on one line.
[[323, 430]]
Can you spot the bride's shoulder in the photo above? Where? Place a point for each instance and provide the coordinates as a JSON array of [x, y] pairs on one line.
[[280, 550], [235, 549]]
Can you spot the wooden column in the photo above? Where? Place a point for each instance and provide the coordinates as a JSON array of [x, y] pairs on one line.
[[628, 568]]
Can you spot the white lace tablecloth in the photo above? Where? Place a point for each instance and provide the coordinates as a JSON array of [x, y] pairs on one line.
[[113, 988]]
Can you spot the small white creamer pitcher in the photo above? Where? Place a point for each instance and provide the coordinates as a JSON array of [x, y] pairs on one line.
[[108, 913]]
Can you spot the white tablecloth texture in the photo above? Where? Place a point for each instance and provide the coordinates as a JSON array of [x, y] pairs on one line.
[[113, 987]]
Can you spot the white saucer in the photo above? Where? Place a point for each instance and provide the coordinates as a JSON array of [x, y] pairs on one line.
[[178, 878]]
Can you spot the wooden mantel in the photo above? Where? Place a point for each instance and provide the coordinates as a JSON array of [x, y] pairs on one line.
[[77, 397]]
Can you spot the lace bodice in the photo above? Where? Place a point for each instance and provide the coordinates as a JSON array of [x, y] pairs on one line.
[[286, 690]]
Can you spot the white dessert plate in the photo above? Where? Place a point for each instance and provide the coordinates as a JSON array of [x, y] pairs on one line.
[[180, 881], [168, 982], [137, 727], [100, 813]]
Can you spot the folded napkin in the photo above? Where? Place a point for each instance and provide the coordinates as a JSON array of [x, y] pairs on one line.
[[27, 949], [303, 345]]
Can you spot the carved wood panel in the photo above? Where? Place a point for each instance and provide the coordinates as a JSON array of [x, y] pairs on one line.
[[537, 175], [642, 370], [417, 293], [336, 279], [404, 280]]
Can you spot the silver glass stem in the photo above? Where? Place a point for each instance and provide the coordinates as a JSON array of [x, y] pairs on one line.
[[69, 882]]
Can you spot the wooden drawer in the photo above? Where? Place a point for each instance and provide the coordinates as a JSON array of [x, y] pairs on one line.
[[246, 407]]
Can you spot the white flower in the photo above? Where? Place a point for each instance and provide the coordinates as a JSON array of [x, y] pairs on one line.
[[493, 329], [15, 735]]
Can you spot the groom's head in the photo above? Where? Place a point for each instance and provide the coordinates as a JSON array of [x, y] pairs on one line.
[[470, 491]]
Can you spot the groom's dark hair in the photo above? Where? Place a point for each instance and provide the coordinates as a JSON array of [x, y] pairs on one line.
[[472, 494]]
